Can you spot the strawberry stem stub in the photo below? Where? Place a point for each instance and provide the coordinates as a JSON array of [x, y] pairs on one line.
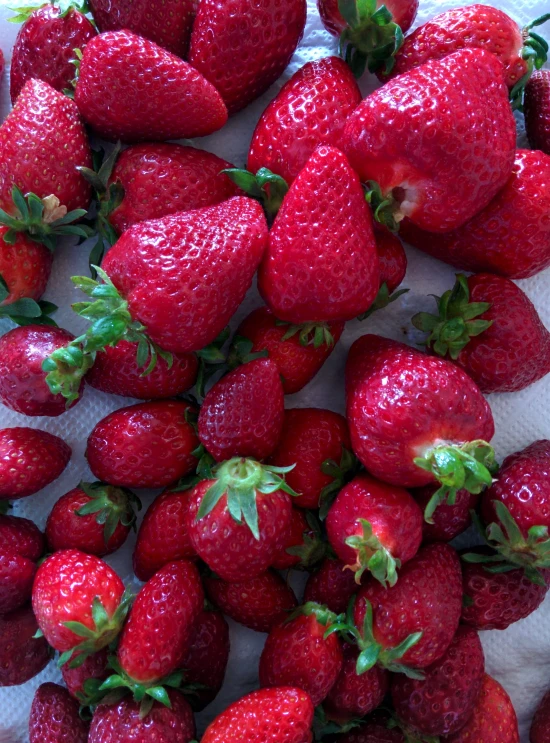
[[266, 187], [372, 556]]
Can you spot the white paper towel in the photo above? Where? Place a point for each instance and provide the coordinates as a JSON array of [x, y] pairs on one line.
[[519, 657]]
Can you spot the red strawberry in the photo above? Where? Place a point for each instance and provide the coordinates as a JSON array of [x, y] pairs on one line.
[[16, 579], [206, 659], [298, 351], [92, 518], [332, 585], [510, 237], [494, 719], [54, 717], [321, 263], [149, 445], [444, 700], [442, 180], [24, 267], [259, 604], [392, 258], [45, 46], [21, 536], [242, 414], [540, 727], [354, 695], [491, 329], [30, 459], [304, 546], [265, 34], [265, 716], [311, 109], [175, 100], [537, 110], [447, 522], [92, 671], [22, 655], [378, 728]]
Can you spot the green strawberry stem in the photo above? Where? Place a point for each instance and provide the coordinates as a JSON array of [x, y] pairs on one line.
[[372, 556], [26, 311], [383, 299], [111, 505], [24, 12], [266, 187], [341, 472], [535, 53]]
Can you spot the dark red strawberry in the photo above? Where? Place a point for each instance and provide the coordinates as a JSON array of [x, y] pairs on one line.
[[537, 110], [378, 728], [304, 546], [54, 717], [392, 258], [30, 459], [332, 585], [149, 445], [21, 536], [447, 522], [91, 673], [16, 579], [540, 727], [353, 696], [442, 180], [175, 101], [22, 655], [259, 604], [206, 659], [25, 268]]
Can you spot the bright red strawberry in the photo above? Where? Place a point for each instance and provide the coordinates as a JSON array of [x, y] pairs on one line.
[[259, 604], [45, 46], [426, 599], [321, 264], [331, 585], [206, 659], [148, 445], [298, 351], [54, 717], [447, 522], [92, 670], [266, 35], [354, 695], [21, 536], [24, 266], [265, 716], [16, 579], [378, 728], [540, 727], [442, 180], [510, 237], [444, 700], [537, 110], [30, 459], [494, 719], [22, 655], [175, 100], [304, 546], [242, 414]]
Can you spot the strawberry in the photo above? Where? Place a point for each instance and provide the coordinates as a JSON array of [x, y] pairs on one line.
[[242, 414], [30, 459], [392, 258], [45, 44], [403, 13], [21, 536], [378, 728], [354, 695], [304, 546], [331, 585], [176, 101], [16, 579], [259, 604], [93, 518], [447, 522], [25, 267], [510, 237], [86, 677], [444, 700], [148, 445], [415, 419], [54, 717], [322, 230], [299, 352], [439, 181], [22, 655], [265, 716], [491, 329], [265, 35], [540, 727], [537, 110], [206, 659], [310, 109]]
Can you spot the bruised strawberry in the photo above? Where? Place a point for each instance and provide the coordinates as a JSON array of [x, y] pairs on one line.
[[354, 695], [540, 727], [447, 522], [22, 655], [537, 110], [304, 546], [331, 585], [206, 660], [54, 717]]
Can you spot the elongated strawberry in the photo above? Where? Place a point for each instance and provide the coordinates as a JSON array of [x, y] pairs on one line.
[[54, 717], [206, 660], [304, 546], [447, 522], [21, 536], [16, 579], [22, 655], [540, 727], [537, 110], [331, 585]]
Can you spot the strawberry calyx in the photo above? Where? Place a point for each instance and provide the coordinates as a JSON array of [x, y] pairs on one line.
[[26, 311], [372, 556], [23, 13], [341, 472], [383, 299], [111, 505], [535, 53], [212, 359], [313, 549], [266, 187], [309, 334], [385, 207]]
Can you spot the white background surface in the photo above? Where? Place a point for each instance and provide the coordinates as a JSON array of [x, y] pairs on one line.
[[519, 657]]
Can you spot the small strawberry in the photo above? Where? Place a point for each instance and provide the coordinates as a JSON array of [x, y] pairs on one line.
[[331, 585], [30, 459], [22, 655], [540, 727], [354, 695], [206, 660], [304, 546], [175, 101], [25, 267], [447, 522], [259, 604], [148, 445], [54, 717], [82, 681], [16, 579], [537, 110], [21, 536]]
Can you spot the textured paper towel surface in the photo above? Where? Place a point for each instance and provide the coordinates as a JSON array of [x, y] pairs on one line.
[[519, 657]]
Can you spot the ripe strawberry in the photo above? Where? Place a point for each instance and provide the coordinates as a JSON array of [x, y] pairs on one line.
[[148, 445], [299, 352], [265, 34], [378, 728], [540, 727], [259, 604], [87, 676], [304, 546], [354, 695], [206, 659], [444, 700], [331, 585], [510, 237], [21, 536], [25, 269], [22, 655], [30, 459], [392, 258], [321, 263], [265, 716], [537, 110], [54, 717], [16, 579], [175, 101], [45, 45], [439, 181], [494, 719], [447, 522]]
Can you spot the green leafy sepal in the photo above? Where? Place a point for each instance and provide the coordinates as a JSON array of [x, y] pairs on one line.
[[372, 556], [266, 187], [341, 473], [111, 505]]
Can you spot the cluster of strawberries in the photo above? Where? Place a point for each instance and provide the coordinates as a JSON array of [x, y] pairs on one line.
[[384, 646]]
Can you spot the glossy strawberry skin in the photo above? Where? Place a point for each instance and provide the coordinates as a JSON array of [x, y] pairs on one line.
[[321, 263], [400, 402], [540, 727], [265, 33], [54, 717], [45, 47], [448, 521], [331, 585], [208, 259], [403, 13], [42, 115], [94, 667], [297, 364], [311, 109], [391, 257], [148, 445], [427, 598], [206, 659], [537, 110], [21, 536], [23, 386], [439, 181], [25, 267], [242, 414], [354, 696], [31, 459], [22, 656], [259, 604], [510, 237], [16, 579]]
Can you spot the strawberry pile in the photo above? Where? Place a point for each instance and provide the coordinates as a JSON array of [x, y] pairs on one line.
[[381, 644]]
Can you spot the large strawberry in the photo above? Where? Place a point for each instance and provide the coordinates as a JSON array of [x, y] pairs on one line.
[[537, 110], [265, 35], [540, 727], [175, 100], [354, 695], [441, 180], [54, 717], [22, 654], [206, 660], [331, 585]]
